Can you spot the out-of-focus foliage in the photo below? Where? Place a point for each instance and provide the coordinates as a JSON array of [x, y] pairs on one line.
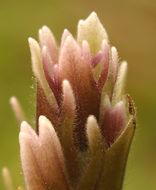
[[131, 26]]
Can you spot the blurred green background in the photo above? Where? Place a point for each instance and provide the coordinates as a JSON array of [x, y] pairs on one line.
[[131, 26]]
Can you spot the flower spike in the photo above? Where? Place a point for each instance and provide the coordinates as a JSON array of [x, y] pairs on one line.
[[84, 121]]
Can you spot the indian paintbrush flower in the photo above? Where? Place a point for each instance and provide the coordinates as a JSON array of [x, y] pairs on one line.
[[85, 122]]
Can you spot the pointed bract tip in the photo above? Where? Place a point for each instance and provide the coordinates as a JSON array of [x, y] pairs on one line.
[[44, 49], [16, 107], [94, 134], [91, 120], [92, 16], [68, 96], [46, 31], [93, 31], [32, 43], [19, 188], [93, 13], [66, 30], [65, 83], [56, 66], [120, 103], [67, 43], [45, 28], [24, 126], [12, 100], [91, 124], [124, 64], [66, 87], [7, 178], [113, 48], [123, 69], [4, 170], [40, 32], [30, 40], [42, 119], [85, 43], [65, 33], [115, 61], [120, 83], [105, 43]]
